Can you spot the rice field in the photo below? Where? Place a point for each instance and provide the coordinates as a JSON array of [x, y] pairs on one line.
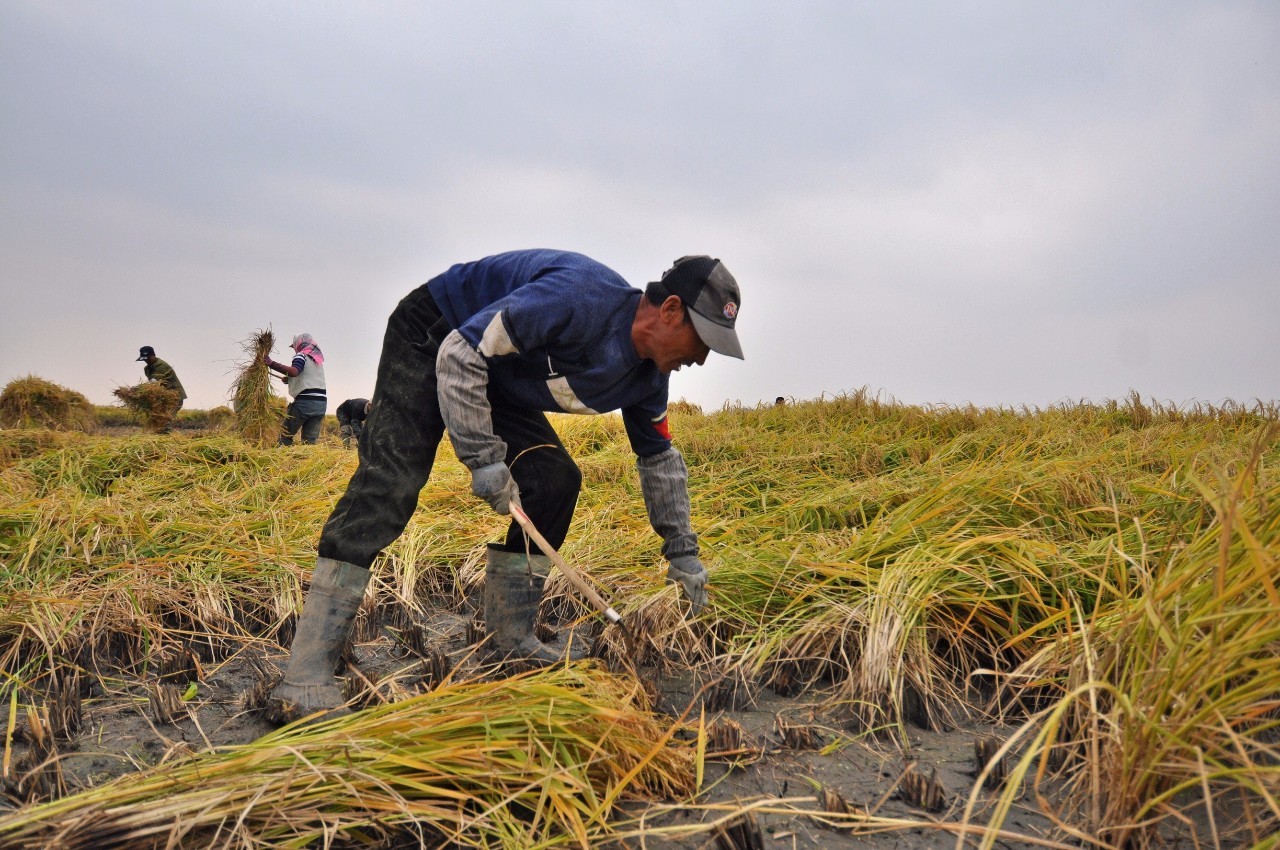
[[1091, 587]]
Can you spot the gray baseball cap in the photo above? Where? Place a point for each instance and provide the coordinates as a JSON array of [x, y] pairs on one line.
[[711, 296]]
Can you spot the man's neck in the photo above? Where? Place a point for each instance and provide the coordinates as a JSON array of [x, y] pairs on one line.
[[642, 328]]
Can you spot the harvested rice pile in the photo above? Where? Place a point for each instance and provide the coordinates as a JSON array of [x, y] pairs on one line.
[[523, 762], [155, 403], [33, 402], [259, 414]]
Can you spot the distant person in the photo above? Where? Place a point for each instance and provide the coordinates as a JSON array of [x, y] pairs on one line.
[[158, 370], [352, 414], [779, 402], [305, 377]]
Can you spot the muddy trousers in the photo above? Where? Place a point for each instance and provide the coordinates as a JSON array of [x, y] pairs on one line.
[[398, 448]]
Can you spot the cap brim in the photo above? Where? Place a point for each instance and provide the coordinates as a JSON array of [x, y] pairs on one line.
[[718, 338], [140, 357]]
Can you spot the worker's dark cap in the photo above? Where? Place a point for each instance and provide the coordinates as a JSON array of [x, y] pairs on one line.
[[145, 352], [711, 296]]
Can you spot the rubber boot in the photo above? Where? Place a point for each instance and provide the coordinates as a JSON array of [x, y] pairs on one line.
[[309, 684], [513, 585]]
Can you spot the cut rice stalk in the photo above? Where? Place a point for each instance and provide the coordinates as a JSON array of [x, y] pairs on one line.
[[530, 761], [259, 412]]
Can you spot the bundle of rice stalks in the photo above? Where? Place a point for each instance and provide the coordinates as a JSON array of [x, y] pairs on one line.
[[533, 761], [33, 402], [259, 414], [155, 403]]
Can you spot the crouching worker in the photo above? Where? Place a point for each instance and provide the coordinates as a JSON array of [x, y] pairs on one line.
[[483, 351], [352, 414]]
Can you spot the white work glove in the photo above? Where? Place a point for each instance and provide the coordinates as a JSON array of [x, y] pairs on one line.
[[688, 572], [494, 484]]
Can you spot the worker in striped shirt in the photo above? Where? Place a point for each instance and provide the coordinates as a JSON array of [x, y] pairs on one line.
[[305, 377]]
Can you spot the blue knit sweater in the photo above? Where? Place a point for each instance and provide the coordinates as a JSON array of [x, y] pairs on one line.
[[569, 318]]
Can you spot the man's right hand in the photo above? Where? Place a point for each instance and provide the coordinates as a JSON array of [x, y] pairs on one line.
[[494, 484], [688, 572]]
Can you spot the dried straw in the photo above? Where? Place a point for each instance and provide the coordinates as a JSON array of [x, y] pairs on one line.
[[539, 760], [33, 402], [153, 401], [259, 414]]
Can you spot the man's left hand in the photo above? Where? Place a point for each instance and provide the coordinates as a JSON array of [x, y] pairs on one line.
[[494, 484], [688, 572]]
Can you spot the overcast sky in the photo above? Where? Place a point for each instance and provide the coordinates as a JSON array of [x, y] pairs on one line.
[[1003, 203]]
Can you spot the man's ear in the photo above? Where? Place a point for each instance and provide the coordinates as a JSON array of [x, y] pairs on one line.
[[673, 307]]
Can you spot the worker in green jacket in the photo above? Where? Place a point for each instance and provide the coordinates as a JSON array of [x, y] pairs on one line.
[[158, 370]]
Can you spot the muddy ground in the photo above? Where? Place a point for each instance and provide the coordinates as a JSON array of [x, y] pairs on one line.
[[785, 748]]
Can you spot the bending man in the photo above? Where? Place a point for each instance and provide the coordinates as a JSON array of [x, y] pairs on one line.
[[156, 369], [352, 414], [484, 350]]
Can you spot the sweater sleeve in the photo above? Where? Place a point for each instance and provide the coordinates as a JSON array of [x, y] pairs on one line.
[[462, 379]]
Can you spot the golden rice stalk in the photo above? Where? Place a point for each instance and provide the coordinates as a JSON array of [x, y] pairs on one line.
[[33, 402], [1168, 688], [538, 760], [259, 415], [153, 401]]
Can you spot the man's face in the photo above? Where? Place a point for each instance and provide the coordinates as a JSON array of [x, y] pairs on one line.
[[677, 343]]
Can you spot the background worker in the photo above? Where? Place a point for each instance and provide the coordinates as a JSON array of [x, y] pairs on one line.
[[482, 351], [352, 414], [156, 369], [305, 377]]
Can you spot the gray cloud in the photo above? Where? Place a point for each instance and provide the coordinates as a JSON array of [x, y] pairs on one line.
[[1006, 203]]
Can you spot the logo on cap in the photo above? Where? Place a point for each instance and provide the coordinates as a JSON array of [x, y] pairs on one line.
[[730, 310]]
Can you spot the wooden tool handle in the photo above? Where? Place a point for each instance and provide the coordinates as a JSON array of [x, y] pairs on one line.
[[575, 578]]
